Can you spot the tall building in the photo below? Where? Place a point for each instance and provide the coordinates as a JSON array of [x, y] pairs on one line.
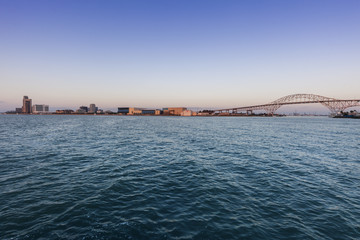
[[27, 105], [37, 108], [93, 108]]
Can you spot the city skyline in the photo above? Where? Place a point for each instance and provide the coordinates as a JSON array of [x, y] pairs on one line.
[[177, 53], [333, 106]]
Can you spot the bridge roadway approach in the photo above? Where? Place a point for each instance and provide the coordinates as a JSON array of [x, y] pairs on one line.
[[334, 105]]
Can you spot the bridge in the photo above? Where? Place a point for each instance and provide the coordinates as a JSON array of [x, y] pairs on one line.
[[334, 105]]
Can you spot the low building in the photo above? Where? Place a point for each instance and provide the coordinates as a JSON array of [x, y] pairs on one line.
[[188, 113], [129, 111], [148, 112], [83, 109], [173, 111], [40, 108], [151, 112], [123, 110], [10, 112], [205, 113], [136, 111], [65, 111]]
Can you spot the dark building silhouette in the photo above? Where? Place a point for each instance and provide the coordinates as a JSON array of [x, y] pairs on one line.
[[84, 108]]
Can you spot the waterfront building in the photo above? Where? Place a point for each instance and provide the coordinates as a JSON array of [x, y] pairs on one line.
[[83, 109], [64, 111], [136, 111], [123, 110], [188, 113], [10, 112], [204, 114], [18, 110], [148, 112], [40, 108], [93, 108], [27, 105], [129, 111], [174, 111], [151, 112]]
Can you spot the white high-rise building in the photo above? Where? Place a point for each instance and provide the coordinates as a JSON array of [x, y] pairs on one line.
[[40, 108]]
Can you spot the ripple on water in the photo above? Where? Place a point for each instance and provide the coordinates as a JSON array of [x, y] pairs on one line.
[[98, 177]]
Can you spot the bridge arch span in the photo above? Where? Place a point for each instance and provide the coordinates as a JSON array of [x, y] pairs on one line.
[[302, 98], [334, 105]]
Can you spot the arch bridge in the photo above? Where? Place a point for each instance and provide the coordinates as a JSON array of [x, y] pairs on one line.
[[334, 105]]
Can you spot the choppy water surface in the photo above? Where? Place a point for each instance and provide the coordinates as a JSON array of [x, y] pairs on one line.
[[99, 177]]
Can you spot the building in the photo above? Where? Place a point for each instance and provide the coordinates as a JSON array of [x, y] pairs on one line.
[[18, 110], [83, 109], [205, 113], [123, 110], [40, 108], [136, 111], [129, 111], [93, 108], [148, 112], [27, 105], [64, 111], [188, 113], [173, 111], [151, 112]]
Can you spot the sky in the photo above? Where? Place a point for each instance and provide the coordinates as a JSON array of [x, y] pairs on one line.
[[207, 54]]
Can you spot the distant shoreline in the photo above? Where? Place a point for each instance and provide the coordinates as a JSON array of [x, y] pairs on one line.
[[151, 115]]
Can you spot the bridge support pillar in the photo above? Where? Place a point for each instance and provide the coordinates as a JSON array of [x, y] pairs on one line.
[[271, 109]]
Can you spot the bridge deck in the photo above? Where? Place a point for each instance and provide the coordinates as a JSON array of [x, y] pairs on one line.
[[278, 104]]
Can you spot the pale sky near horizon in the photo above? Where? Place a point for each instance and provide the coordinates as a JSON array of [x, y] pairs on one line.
[[176, 53]]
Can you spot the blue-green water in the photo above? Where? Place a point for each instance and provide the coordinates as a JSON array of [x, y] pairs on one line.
[[112, 177]]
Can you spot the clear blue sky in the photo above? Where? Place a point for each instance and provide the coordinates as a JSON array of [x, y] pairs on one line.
[[176, 52]]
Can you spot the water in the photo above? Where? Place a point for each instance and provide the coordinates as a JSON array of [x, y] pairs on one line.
[[112, 177]]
